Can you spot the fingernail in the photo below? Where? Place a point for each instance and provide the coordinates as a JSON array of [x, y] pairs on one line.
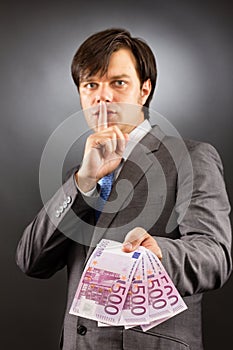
[[127, 245]]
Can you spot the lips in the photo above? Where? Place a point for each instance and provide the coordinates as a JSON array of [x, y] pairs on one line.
[[110, 113]]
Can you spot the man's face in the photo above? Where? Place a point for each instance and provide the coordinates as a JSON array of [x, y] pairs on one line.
[[120, 89]]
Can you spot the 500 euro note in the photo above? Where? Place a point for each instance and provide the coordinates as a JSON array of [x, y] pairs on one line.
[[163, 298], [159, 307], [135, 310], [175, 300], [105, 282]]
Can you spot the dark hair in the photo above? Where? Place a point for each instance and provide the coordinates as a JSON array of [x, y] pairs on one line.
[[94, 54]]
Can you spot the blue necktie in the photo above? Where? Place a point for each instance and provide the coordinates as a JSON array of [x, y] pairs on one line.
[[106, 186]]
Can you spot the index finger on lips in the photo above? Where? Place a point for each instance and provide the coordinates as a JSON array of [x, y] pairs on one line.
[[103, 117]]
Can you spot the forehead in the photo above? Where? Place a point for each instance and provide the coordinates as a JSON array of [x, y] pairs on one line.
[[122, 58], [121, 62]]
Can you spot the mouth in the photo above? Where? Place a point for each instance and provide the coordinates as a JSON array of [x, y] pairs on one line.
[[110, 113]]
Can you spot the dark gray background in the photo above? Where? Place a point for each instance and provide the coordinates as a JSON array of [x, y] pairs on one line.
[[193, 44]]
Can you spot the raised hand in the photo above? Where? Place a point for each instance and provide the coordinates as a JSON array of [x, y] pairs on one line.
[[103, 151]]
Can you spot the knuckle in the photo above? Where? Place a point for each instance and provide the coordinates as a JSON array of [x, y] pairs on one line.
[[115, 128]]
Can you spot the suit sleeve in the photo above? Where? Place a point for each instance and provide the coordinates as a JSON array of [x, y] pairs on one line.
[[200, 259], [46, 242]]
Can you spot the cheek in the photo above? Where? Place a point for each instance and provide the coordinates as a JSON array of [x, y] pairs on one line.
[[135, 96], [85, 99], [139, 98], [91, 121]]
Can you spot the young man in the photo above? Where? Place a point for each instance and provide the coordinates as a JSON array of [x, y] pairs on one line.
[[173, 199]]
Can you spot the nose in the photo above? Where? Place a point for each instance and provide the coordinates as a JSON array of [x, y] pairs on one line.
[[104, 94]]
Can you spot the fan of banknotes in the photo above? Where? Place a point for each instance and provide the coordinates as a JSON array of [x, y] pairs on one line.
[[126, 289]]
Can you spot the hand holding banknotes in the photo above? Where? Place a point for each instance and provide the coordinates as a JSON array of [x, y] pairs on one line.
[[119, 289], [138, 236]]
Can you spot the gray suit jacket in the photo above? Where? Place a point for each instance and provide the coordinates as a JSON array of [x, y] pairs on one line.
[[179, 197]]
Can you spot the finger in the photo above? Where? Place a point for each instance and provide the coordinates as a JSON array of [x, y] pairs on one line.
[[134, 238], [121, 144], [107, 147], [138, 236], [103, 117], [106, 140], [122, 139], [151, 244], [114, 142]]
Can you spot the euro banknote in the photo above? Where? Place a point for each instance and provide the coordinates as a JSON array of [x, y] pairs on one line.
[[126, 289]]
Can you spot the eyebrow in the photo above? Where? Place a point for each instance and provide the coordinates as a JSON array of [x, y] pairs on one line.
[[114, 77], [121, 76]]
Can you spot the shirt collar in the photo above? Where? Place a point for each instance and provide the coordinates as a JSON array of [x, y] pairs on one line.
[[135, 136]]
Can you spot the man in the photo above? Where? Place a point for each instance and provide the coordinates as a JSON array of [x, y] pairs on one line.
[[166, 197]]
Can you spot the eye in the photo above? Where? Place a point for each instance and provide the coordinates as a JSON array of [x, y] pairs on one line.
[[119, 83], [91, 85]]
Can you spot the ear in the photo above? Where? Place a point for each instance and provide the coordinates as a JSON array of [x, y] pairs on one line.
[[145, 91]]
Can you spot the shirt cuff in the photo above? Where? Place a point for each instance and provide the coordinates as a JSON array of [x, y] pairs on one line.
[[92, 193]]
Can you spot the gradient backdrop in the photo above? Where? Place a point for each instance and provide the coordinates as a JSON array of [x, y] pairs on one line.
[[192, 42]]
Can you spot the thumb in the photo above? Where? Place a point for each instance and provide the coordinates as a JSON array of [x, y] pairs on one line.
[[133, 239]]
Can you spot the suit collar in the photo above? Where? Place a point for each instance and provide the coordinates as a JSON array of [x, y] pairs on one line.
[[152, 140]]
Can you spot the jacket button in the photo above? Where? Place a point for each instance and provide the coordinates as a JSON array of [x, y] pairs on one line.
[[82, 330], [68, 199], [57, 214]]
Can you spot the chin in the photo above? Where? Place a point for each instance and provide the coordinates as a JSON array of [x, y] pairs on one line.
[[126, 129]]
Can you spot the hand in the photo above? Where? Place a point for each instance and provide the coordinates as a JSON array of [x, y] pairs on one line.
[[138, 236], [103, 152]]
